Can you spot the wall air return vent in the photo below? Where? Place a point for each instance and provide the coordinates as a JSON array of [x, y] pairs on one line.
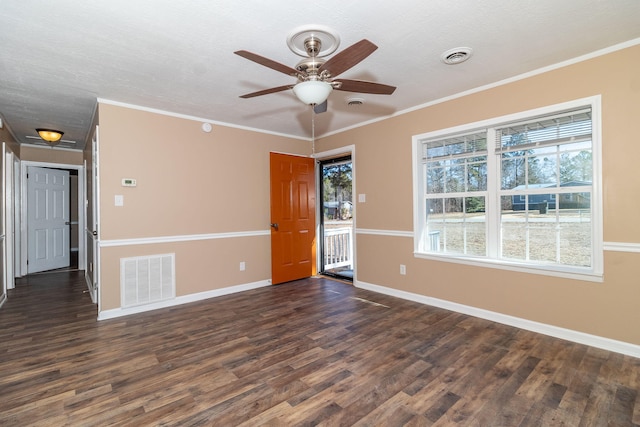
[[148, 279]]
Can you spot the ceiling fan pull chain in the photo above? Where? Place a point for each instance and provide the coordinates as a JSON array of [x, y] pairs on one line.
[[313, 132]]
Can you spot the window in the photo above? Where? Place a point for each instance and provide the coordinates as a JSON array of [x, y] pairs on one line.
[[456, 192], [518, 192]]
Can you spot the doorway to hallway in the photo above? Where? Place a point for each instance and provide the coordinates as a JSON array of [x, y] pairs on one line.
[[64, 241]]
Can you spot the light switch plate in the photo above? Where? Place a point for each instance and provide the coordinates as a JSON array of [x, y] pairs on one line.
[[362, 198], [119, 200]]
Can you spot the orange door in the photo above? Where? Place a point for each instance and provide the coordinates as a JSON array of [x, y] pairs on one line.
[[293, 218]]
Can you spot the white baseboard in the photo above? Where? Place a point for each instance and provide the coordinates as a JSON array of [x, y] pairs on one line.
[[119, 312], [554, 331]]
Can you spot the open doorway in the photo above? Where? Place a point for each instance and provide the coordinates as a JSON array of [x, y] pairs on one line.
[[52, 219], [336, 198], [73, 220]]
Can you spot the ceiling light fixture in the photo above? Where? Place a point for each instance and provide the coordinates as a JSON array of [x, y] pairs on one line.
[[312, 92], [52, 137]]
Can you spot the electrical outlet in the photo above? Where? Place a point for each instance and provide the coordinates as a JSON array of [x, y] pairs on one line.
[[243, 266], [403, 269]]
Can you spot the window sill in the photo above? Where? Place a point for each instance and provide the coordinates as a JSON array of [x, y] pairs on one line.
[[566, 273]]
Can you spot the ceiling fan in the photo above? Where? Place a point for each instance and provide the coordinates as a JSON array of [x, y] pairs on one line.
[[316, 75]]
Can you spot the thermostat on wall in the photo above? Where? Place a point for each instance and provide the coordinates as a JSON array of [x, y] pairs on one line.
[[128, 182]]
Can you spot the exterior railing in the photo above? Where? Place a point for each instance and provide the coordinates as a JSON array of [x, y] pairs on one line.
[[434, 241], [338, 247]]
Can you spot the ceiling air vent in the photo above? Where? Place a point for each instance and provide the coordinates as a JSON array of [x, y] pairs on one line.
[[456, 55], [354, 102]]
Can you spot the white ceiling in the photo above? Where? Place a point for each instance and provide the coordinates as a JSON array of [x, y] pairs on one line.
[[58, 57]]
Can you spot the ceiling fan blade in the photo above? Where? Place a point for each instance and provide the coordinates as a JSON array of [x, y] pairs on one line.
[[347, 58], [268, 63], [267, 91], [364, 87], [320, 108]]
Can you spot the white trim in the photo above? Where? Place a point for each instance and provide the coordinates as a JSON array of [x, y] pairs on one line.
[[96, 167], [55, 147], [194, 118], [576, 60], [348, 150], [391, 233], [597, 202], [4, 241], [92, 292], [622, 247], [183, 238], [8, 208], [329, 154], [185, 299], [529, 325]]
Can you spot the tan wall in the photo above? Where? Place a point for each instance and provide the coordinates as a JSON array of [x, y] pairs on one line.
[[383, 172], [188, 183], [34, 153]]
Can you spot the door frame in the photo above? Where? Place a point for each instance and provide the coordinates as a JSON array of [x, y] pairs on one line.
[[4, 226], [22, 236], [17, 182], [92, 231], [348, 150], [8, 213]]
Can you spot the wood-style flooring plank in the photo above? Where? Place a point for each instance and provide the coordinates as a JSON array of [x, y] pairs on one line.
[[311, 352]]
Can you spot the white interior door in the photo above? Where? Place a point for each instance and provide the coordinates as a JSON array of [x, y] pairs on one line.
[[48, 224]]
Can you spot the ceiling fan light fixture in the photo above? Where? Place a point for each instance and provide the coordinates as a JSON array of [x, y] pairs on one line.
[[51, 136], [312, 92]]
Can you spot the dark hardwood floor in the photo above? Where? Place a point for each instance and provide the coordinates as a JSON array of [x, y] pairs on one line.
[[313, 352]]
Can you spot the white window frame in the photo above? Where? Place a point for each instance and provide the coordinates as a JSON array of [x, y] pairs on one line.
[[593, 273]]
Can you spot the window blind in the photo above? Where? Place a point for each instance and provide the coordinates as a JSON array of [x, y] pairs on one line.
[[456, 146], [562, 128]]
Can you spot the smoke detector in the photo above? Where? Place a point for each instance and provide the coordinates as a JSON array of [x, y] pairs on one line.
[[456, 55]]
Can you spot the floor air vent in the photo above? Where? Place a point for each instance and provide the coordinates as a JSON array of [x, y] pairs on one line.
[[148, 279]]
